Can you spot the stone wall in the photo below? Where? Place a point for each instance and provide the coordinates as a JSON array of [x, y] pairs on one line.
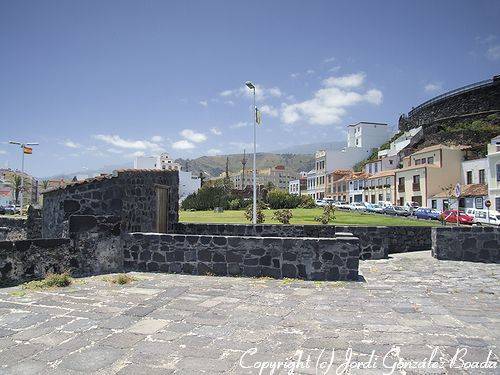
[[128, 194], [469, 103], [307, 258], [29, 259], [12, 229], [375, 242], [474, 244]]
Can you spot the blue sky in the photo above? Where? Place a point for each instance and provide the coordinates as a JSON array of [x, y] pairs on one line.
[[97, 82]]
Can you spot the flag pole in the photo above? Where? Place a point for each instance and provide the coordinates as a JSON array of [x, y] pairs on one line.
[[254, 216]]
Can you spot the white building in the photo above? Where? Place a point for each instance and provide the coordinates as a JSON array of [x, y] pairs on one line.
[[367, 134], [188, 183], [493, 176], [474, 171], [294, 187], [311, 185]]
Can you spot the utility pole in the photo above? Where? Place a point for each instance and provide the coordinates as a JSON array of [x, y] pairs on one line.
[[251, 86], [24, 150]]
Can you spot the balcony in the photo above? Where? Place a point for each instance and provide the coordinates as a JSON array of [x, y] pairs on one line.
[[416, 187], [401, 188]]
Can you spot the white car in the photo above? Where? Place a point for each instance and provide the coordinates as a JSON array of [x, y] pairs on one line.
[[343, 206], [357, 206], [483, 217]]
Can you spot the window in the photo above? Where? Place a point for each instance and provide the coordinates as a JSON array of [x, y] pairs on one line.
[[498, 175], [417, 161], [379, 182], [434, 204], [388, 196], [376, 167], [497, 202], [401, 181], [416, 179], [481, 176], [430, 160], [424, 160], [469, 178], [387, 181], [380, 197], [369, 168], [390, 162]]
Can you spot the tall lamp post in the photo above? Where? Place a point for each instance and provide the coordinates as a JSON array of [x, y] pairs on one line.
[[23, 150], [251, 86]]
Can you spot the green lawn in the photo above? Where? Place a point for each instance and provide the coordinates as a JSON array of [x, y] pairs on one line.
[[302, 216]]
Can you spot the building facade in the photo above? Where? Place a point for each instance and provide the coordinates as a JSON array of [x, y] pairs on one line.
[[278, 176], [381, 187], [367, 135], [493, 176], [427, 172]]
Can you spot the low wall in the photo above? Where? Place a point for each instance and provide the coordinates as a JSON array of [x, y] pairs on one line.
[[474, 244], [29, 259], [307, 258], [376, 242]]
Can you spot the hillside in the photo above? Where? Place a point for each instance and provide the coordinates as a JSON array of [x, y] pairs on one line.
[[215, 165]]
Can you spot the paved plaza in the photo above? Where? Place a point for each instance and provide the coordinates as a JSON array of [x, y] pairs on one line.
[[411, 314]]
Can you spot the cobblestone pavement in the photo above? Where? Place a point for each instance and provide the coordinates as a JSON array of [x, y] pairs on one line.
[[162, 324]]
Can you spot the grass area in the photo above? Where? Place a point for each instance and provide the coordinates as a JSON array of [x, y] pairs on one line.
[[53, 280], [303, 216]]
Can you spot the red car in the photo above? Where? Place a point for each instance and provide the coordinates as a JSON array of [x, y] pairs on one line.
[[450, 216]]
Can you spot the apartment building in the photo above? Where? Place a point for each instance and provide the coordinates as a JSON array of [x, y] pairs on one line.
[[493, 175], [278, 175], [298, 186], [356, 186], [380, 187], [338, 185], [427, 172]]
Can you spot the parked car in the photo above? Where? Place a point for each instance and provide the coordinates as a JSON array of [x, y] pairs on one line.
[[396, 211], [481, 217], [320, 202], [357, 206], [450, 216], [427, 213], [12, 209], [2, 210], [372, 207], [385, 203], [343, 206]]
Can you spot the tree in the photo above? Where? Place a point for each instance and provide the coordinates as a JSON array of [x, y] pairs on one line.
[[283, 216], [327, 215], [15, 182], [278, 199], [45, 184]]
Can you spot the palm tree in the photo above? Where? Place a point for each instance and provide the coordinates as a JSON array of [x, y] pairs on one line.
[[15, 183], [45, 185]]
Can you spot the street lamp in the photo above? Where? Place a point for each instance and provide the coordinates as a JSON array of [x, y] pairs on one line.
[[23, 145], [251, 86]]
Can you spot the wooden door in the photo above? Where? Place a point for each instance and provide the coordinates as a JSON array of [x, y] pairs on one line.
[[161, 209]]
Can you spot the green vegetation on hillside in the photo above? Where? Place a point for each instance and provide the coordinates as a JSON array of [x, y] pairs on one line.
[[215, 165]]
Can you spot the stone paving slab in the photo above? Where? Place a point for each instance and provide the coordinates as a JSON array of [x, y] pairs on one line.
[[410, 310]]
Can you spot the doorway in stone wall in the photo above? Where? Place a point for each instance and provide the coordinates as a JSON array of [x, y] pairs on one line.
[[162, 193]]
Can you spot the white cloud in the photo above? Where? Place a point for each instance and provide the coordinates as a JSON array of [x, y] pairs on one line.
[[215, 131], [114, 151], [433, 87], [329, 104], [156, 138], [269, 110], [203, 103], [294, 75], [117, 141], [71, 144], [214, 151], [182, 145], [192, 136], [348, 81], [329, 60], [493, 52], [229, 102], [309, 71], [334, 69], [261, 93], [3, 152], [239, 125]]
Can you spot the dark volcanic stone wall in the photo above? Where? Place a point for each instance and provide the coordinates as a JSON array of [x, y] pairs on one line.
[[375, 242], [129, 194], [307, 258], [12, 229], [478, 100], [474, 244], [29, 259]]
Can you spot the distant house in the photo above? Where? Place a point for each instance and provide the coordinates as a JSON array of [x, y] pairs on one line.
[[493, 175]]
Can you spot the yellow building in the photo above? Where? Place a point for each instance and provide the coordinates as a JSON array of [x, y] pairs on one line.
[[381, 187], [426, 172]]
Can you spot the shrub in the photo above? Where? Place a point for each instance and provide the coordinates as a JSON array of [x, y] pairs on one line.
[[278, 199], [235, 204], [121, 279], [327, 215], [208, 197], [306, 201], [260, 215], [283, 216]]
